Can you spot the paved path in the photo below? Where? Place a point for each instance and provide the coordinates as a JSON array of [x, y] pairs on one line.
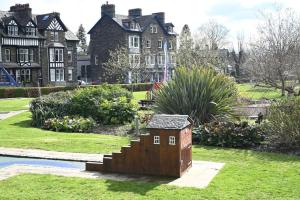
[[199, 176], [55, 155], [5, 115]]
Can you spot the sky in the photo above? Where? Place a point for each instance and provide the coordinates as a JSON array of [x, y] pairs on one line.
[[236, 15]]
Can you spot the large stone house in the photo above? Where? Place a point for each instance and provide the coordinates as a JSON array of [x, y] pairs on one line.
[[37, 49], [143, 35]]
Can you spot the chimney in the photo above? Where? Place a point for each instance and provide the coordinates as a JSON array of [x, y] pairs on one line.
[[21, 10], [160, 16], [108, 9], [137, 12]]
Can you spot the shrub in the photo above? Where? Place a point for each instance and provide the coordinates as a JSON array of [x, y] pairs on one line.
[[70, 124], [13, 92], [200, 93], [55, 105], [106, 104], [228, 134], [283, 125], [117, 111], [89, 102]]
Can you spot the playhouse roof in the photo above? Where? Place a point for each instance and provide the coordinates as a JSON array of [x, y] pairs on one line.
[[163, 121]]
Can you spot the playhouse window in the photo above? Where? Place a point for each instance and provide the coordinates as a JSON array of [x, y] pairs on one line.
[[156, 140], [172, 140]]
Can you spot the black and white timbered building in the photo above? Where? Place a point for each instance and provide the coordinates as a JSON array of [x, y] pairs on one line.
[[37, 49]]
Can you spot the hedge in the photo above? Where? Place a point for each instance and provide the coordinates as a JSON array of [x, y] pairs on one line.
[[31, 92]]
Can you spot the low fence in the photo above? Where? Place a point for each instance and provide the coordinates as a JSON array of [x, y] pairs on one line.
[[253, 110]]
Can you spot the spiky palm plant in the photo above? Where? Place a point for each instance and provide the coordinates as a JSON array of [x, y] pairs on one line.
[[200, 93]]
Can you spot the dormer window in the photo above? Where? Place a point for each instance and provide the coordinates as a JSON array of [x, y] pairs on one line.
[[30, 29], [170, 29], [153, 28], [134, 26], [12, 28]]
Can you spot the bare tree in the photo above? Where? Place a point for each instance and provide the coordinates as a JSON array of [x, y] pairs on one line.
[[211, 35], [239, 55], [275, 55], [123, 67]]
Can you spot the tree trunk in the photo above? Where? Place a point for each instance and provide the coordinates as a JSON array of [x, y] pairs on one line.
[[282, 87]]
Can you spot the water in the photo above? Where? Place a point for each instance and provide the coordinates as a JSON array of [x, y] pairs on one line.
[[7, 161]]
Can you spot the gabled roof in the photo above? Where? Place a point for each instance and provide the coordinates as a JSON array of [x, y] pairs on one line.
[[143, 21], [71, 36], [163, 121], [43, 21]]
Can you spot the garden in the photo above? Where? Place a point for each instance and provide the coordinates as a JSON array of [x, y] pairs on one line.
[[261, 159]]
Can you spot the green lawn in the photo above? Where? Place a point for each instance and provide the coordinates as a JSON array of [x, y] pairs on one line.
[[246, 175], [17, 132], [14, 104], [256, 93], [139, 95]]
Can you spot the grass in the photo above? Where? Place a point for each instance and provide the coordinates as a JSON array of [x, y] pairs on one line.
[[17, 132], [246, 175], [14, 104], [139, 95], [258, 93]]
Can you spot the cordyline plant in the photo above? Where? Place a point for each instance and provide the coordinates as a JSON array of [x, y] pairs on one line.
[[199, 92]]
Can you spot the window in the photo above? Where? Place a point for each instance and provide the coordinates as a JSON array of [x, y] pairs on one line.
[[152, 59], [52, 75], [60, 76], [134, 60], [54, 36], [70, 59], [156, 140], [70, 74], [12, 30], [170, 45], [172, 140], [96, 60], [30, 31], [147, 60], [134, 26], [56, 54], [148, 44], [160, 59], [23, 55], [170, 29], [159, 44], [134, 41], [7, 55], [23, 75], [173, 59], [153, 28], [31, 59]]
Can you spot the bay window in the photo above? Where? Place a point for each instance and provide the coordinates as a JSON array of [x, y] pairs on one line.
[[23, 55], [56, 65], [134, 41]]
